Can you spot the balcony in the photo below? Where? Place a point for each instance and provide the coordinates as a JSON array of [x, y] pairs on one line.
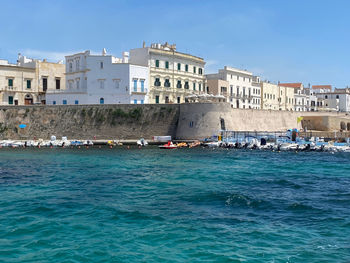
[[139, 91], [10, 88]]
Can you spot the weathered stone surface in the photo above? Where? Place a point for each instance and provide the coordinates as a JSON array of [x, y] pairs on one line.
[[182, 121], [87, 122]]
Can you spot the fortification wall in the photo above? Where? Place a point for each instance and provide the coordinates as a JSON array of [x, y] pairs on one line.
[[203, 120], [182, 121], [86, 121]]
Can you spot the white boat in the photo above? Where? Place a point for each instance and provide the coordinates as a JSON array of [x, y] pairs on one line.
[[142, 142], [213, 144]]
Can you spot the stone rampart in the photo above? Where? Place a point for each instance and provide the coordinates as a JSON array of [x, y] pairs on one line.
[[181, 121]]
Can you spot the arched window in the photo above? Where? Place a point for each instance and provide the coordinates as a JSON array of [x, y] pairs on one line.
[[102, 100], [348, 126]]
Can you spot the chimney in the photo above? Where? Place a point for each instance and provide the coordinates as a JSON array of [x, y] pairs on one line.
[[144, 44], [104, 52]]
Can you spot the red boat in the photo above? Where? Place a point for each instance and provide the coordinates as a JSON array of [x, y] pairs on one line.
[[169, 145]]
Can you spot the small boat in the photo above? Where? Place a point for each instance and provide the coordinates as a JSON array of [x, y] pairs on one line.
[[195, 144], [88, 143], [181, 145], [169, 145], [142, 142]]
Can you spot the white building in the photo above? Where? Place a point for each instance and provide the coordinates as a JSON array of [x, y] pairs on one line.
[[244, 89], [338, 100], [102, 79], [173, 75]]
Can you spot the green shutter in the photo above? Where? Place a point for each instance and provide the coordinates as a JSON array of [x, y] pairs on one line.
[[29, 84], [166, 64], [157, 63], [10, 100], [10, 82], [186, 68], [178, 66]]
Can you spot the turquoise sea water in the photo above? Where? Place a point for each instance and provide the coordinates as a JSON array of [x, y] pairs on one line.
[[185, 205]]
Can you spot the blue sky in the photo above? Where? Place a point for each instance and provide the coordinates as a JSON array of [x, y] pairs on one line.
[[287, 41]]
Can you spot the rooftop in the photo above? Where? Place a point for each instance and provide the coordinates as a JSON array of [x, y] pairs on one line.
[[322, 87], [291, 85]]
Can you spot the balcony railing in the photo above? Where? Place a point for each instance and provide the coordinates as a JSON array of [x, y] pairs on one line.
[[9, 88], [140, 91]]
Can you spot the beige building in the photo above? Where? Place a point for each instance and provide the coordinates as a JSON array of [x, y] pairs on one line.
[[244, 88], [276, 97], [27, 82], [218, 87], [173, 75]]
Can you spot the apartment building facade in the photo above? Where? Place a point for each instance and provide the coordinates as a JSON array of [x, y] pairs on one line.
[[243, 91], [276, 97], [28, 81], [102, 79], [173, 75]]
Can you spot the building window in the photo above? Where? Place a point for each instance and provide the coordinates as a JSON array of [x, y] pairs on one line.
[[54, 102], [116, 83], [142, 85], [179, 85], [326, 97], [337, 96], [102, 101], [166, 64], [64, 102], [157, 99], [58, 83], [178, 66], [10, 100], [102, 83], [167, 83], [157, 63], [142, 102], [29, 83], [186, 68], [76, 102], [10, 82], [101, 65], [77, 64], [44, 84], [178, 99], [78, 83], [237, 77], [200, 87], [70, 67], [186, 85], [166, 99], [157, 82], [194, 86], [200, 71], [194, 70], [135, 101], [135, 85]]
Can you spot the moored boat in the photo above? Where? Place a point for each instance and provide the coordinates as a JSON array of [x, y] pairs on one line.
[[169, 145]]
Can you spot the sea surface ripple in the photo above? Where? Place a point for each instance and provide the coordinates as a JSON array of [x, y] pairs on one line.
[[186, 205]]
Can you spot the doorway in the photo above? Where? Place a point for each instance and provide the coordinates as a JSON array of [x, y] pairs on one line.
[[28, 100]]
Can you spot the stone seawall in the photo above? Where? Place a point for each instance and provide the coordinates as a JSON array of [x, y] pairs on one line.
[[181, 121], [203, 120], [86, 121]]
